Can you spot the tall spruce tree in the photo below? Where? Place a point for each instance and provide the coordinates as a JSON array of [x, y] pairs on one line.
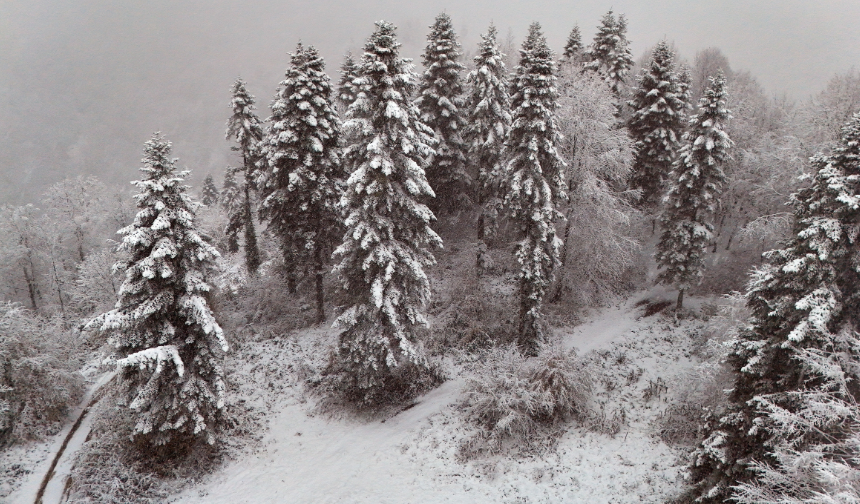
[[610, 54], [346, 90], [573, 47], [301, 189], [388, 241], [489, 121], [696, 182], [795, 392], [656, 125], [244, 127], [162, 326], [534, 180], [441, 102], [209, 194]]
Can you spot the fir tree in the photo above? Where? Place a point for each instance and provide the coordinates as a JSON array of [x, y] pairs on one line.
[[441, 102], [301, 192], [244, 127], [388, 241], [534, 180], [162, 325], [795, 393], [210, 192], [347, 91], [656, 125], [610, 54], [696, 182], [573, 47], [489, 121]]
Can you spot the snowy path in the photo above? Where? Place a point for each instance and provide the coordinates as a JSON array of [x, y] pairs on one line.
[[311, 459], [56, 469]]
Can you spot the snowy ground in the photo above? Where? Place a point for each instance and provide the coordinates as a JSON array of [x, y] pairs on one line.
[[306, 456], [300, 454]]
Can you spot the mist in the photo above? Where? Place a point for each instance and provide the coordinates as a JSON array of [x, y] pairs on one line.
[[83, 84]]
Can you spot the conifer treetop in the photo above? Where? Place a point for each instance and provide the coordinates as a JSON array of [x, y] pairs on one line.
[[573, 46]]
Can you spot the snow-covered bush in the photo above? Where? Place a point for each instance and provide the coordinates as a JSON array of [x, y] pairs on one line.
[[39, 383], [96, 288], [516, 399]]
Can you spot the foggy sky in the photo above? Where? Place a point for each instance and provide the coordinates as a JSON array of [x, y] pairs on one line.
[[83, 83]]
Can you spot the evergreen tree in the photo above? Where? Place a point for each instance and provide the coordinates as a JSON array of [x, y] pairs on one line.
[[210, 192], [534, 180], [162, 324], [300, 194], [573, 46], [347, 91], [232, 201], [244, 126], [795, 394], [656, 125], [489, 121], [388, 240], [696, 182], [441, 102], [610, 54]]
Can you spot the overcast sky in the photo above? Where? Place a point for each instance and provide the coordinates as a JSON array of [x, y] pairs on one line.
[[83, 83]]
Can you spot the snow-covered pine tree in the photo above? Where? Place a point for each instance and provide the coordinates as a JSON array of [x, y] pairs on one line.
[[441, 102], [656, 125], [301, 188], [244, 127], [695, 184], [610, 54], [209, 194], [794, 401], [347, 90], [232, 198], [489, 121], [573, 47], [534, 180], [388, 241], [162, 326]]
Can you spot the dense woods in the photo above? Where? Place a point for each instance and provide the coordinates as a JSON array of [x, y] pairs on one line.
[[577, 174]]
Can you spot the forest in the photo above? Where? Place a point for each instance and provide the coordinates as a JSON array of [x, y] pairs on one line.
[[512, 256]]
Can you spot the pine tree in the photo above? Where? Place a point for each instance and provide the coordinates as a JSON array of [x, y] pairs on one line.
[[162, 325], [573, 47], [610, 54], [388, 241], [210, 192], [441, 102], [795, 393], [656, 125], [347, 91], [301, 189], [244, 126], [534, 180], [489, 121], [696, 182]]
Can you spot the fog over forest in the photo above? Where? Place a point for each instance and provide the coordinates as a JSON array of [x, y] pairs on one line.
[[84, 83]]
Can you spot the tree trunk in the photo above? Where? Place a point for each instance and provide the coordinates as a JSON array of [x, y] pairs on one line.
[[31, 286], [680, 304], [318, 272], [59, 288], [559, 285], [252, 251]]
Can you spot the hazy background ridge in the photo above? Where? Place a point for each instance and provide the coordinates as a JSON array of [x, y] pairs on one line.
[[83, 84]]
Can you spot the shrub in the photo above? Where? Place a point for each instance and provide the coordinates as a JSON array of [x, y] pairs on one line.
[[513, 398], [39, 383]]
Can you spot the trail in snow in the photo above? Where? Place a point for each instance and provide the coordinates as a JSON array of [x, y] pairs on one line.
[[47, 482], [412, 456]]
